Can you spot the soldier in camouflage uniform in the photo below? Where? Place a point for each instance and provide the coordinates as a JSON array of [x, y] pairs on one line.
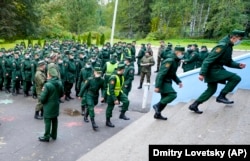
[[34, 64]]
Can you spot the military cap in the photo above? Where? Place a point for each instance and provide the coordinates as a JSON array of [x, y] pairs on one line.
[[36, 53], [120, 66], [52, 55], [239, 33], [170, 44], [203, 46], [195, 45], [129, 58], [53, 72], [179, 48], [66, 52], [41, 62], [98, 69], [114, 55]]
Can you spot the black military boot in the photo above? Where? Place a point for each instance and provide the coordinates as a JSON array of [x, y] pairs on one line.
[[160, 117], [94, 126], [85, 118], [37, 116], [108, 123], [41, 113], [156, 107], [222, 99], [14, 92], [83, 110], [70, 97], [18, 91], [140, 86], [123, 116], [67, 97], [34, 96], [194, 107], [7, 90]]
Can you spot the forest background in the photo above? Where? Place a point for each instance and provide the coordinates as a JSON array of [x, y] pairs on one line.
[[140, 20]]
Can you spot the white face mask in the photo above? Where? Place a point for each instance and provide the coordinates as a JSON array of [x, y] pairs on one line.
[[237, 42], [60, 61], [27, 56], [180, 56], [87, 66]]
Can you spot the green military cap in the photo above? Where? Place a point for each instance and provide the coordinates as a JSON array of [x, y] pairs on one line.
[[203, 46], [120, 66], [36, 53], [66, 52], [129, 58], [239, 33], [179, 48], [98, 69], [41, 62], [53, 72], [195, 45], [170, 44], [52, 55]]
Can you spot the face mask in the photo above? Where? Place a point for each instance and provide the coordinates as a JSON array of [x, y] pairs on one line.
[[27, 56], [87, 66], [60, 61], [93, 60], [97, 75], [237, 42], [180, 56]]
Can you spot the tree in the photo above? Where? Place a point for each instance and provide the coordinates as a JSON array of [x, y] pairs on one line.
[[102, 39], [89, 39]]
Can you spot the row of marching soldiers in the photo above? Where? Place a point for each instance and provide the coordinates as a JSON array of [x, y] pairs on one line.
[[90, 69], [193, 56]]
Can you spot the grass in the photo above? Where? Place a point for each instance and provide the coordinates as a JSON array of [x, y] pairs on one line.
[[245, 45]]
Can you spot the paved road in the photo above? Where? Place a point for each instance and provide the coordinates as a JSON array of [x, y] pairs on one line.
[[19, 130]]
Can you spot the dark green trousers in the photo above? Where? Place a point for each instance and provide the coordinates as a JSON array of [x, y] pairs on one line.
[[167, 98], [51, 125], [91, 103], [122, 98], [212, 87], [127, 89]]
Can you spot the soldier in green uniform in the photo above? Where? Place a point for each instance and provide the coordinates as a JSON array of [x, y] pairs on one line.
[[160, 51], [139, 57], [85, 73], [146, 64], [40, 79], [91, 89], [70, 73], [61, 71], [128, 75], [34, 64], [202, 55], [115, 95], [52, 91], [108, 70], [16, 74], [80, 63], [26, 73], [164, 79], [167, 52], [1, 70], [190, 59], [6, 65], [213, 72]]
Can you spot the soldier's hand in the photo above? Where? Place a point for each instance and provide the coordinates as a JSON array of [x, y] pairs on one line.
[[79, 98], [157, 90], [180, 85], [242, 65], [117, 102], [201, 77], [7, 74]]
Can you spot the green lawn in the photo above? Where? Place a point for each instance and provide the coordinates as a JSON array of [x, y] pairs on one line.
[[245, 45]]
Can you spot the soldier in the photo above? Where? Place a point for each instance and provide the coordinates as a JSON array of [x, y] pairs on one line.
[[104, 56], [213, 72], [34, 64], [115, 95], [80, 63], [6, 65], [1, 70], [61, 71], [91, 88], [52, 91], [85, 73], [108, 70], [163, 82], [128, 75], [146, 63], [133, 50], [167, 52], [149, 49], [190, 59], [40, 79], [160, 51], [26, 73], [202, 55], [70, 73], [53, 62], [139, 57], [16, 74]]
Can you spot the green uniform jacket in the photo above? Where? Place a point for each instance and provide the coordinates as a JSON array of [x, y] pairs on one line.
[[52, 91], [147, 63], [16, 72], [128, 75], [92, 86], [140, 55], [6, 65], [212, 67], [40, 79], [201, 58], [70, 70], [26, 69], [190, 59], [34, 64], [54, 65], [111, 85], [83, 76], [167, 74]]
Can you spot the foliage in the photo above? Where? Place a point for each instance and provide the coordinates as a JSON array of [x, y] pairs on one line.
[[89, 39]]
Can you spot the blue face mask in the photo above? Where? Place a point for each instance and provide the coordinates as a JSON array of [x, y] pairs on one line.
[[237, 42], [180, 56]]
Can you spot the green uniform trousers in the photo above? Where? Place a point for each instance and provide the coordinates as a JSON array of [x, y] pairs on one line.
[[212, 87], [122, 98], [91, 103], [167, 98], [51, 125], [127, 89]]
